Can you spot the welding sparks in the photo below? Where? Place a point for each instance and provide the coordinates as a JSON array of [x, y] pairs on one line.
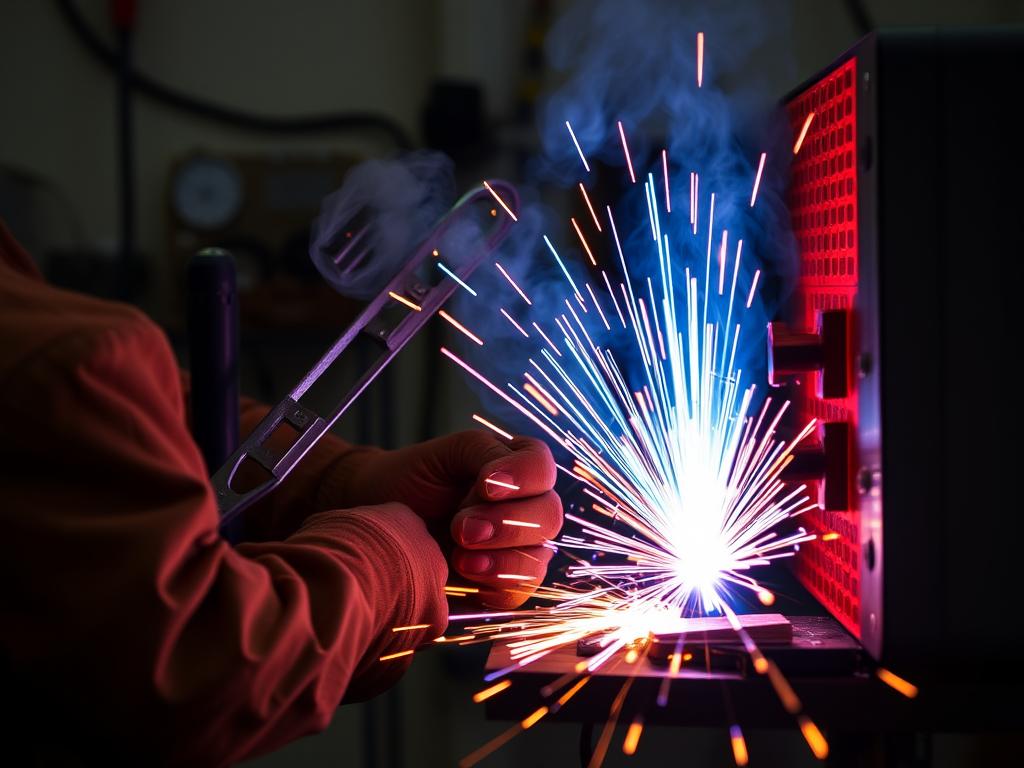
[[753, 288], [579, 149], [461, 590], [402, 300], [685, 462], [410, 627], [897, 683], [398, 655], [668, 194], [739, 746], [494, 690], [757, 179], [590, 207], [632, 739], [625, 149], [492, 426], [515, 324], [815, 740], [460, 327], [455, 277], [679, 460], [700, 59], [513, 283], [803, 133], [501, 202], [583, 240]]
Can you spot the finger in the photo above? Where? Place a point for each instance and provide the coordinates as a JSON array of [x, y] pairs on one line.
[[505, 599], [527, 469], [503, 568], [506, 524]]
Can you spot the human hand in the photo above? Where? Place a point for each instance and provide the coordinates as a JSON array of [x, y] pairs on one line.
[[493, 497]]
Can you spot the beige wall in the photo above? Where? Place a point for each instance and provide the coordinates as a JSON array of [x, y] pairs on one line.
[[280, 57]]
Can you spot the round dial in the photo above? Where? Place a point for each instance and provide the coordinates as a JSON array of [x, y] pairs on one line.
[[207, 192]]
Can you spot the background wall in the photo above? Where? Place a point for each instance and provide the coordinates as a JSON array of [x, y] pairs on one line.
[[57, 121]]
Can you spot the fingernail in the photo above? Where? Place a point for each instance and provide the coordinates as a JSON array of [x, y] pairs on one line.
[[477, 563], [499, 485], [475, 530]]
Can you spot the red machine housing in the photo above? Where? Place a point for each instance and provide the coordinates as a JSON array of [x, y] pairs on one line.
[[824, 209]]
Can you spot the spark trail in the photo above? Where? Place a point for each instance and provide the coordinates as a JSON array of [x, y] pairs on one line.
[[637, 384]]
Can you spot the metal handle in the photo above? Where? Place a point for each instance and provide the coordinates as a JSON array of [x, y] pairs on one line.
[[311, 426]]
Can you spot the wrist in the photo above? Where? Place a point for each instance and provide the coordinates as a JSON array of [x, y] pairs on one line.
[[340, 484]]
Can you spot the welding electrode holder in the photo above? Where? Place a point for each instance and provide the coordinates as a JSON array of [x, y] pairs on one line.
[[307, 424]]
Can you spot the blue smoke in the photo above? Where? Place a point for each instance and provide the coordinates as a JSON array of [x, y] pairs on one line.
[[636, 63]]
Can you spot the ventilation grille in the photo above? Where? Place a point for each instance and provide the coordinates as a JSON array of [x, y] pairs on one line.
[[823, 205]]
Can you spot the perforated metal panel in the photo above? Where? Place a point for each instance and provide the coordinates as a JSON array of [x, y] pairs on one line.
[[823, 205]]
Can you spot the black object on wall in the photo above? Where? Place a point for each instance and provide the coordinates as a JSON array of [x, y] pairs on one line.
[[213, 353]]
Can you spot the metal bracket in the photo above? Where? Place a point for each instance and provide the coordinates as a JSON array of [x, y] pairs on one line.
[[307, 423]]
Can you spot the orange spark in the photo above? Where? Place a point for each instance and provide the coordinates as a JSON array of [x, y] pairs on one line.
[[583, 240], [501, 202], [632, 739], [492, 426], [530, 721], [403, 300], [398, 655], [803, 133], [586, 199], [459, 326], [815, 740], [547, 404], [739, 746], [494, 690], [895, 681], [410, 627], [572, 691], [700, 59]]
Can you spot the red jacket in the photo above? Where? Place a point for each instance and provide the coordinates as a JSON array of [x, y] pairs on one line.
[[129, 629]]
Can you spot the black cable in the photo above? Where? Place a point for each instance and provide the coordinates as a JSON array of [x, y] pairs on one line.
[[859, 15], [236, 118]]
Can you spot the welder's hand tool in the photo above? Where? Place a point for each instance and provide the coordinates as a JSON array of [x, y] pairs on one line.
[[409, 290]]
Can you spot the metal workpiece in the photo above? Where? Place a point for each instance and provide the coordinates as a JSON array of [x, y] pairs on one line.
[[409, 290]]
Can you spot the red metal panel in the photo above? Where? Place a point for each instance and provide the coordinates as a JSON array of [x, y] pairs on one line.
[[823, 205]]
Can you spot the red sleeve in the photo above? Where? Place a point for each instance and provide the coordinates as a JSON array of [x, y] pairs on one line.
[[131, 630], [316, 484]]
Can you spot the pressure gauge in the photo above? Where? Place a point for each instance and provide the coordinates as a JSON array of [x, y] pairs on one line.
[[207, 192]]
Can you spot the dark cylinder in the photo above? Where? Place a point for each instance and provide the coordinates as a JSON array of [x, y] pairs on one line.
[[213, 354]]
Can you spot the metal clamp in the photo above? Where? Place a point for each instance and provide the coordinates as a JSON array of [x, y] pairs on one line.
[[307, 423]]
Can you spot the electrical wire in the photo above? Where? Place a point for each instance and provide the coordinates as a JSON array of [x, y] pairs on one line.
[[226, 115]]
